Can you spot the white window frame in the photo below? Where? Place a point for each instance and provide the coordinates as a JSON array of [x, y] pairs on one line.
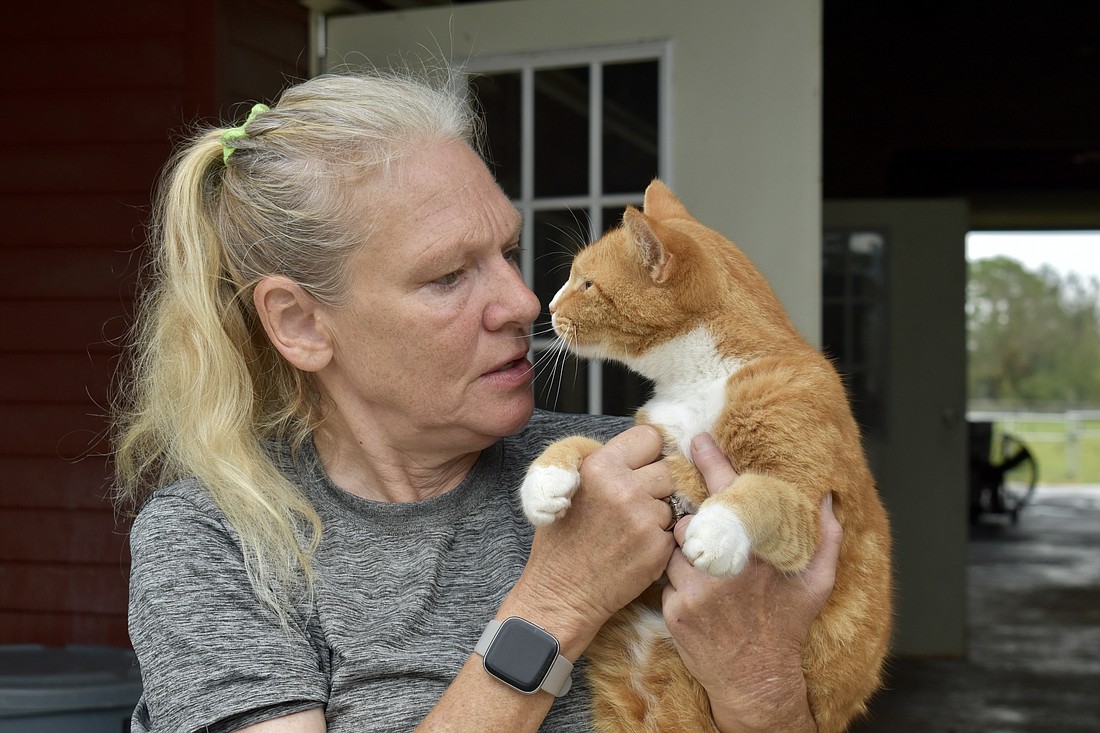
[[596, 200]]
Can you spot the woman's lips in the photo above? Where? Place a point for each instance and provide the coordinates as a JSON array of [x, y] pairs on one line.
[[517, 372]]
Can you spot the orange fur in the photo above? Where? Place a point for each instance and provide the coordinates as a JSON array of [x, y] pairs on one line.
[[682, 305]]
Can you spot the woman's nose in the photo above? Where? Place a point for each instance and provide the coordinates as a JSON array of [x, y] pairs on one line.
[[514, 302]]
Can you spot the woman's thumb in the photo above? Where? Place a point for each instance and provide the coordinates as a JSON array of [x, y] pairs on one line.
[[717, 471]]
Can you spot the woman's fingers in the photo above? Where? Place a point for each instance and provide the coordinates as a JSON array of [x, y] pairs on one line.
[[820, 574], [718, 472], [639, 446]]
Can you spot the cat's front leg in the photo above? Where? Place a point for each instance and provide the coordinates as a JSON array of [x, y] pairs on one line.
[[757, 514], [553, 478]]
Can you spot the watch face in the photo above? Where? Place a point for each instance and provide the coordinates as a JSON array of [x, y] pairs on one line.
[[521, 654]]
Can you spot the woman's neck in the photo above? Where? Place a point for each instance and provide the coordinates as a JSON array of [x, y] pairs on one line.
[[363, 462]]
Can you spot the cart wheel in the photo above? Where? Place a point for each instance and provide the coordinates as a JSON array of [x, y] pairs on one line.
[[1021, 473]]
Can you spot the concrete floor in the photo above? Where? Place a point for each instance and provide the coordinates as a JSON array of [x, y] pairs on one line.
[[1033, 664]]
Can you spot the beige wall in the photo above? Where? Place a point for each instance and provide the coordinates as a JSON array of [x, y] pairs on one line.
[[746, 98]]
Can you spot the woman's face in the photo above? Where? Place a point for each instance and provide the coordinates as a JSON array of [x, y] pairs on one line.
[[432, 345]]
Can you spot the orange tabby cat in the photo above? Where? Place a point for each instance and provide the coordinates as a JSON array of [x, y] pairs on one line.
[[682, 305]]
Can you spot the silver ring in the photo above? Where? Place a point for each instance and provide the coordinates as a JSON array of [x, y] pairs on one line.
[[678, 510]]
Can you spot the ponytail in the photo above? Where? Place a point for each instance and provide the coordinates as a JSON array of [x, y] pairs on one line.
[[194, 399], [207, 394]]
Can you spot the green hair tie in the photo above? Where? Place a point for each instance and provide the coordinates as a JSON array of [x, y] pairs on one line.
[[236, 133]]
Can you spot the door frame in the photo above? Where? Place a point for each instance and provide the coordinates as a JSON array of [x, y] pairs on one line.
[[918, 453]]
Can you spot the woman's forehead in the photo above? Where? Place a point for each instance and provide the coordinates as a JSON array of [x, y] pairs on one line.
[[446, 193]]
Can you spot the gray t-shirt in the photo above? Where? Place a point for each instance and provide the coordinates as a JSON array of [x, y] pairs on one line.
[[404, 591]]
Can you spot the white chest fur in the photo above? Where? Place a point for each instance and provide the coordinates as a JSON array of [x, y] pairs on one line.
[[690, 378], [687, 410]]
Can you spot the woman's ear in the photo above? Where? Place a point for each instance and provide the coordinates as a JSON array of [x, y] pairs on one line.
[[294, 322]]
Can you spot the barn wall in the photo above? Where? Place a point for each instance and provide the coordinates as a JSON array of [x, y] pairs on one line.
[[94, 97]]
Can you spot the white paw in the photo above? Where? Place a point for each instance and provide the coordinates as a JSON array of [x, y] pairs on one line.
[[716, 542], [546, 493]]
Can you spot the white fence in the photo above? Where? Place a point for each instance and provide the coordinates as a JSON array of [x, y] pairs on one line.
[[1070, 428]]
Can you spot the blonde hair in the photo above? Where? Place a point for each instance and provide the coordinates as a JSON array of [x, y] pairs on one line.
[[206, 394]]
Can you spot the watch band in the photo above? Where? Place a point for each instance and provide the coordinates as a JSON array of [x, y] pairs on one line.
[[558, 678]]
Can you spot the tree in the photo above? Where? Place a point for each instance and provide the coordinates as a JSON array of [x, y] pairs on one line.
[[1032, 337]]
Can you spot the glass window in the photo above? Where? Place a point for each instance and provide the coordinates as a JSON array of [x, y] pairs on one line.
[[501, 108], [561, 132], [623, 390], [573, 138], [630, 125], [854, 318]]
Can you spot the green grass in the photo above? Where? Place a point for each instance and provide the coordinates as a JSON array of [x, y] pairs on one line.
[[1060, 461]]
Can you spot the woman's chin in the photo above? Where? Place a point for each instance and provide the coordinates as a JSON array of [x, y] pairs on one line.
[[511, 417]]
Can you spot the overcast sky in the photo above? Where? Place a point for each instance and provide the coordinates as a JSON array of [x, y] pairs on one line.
[[1064, 251]]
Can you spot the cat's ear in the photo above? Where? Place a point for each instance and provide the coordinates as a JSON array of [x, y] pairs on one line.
[[661, 203], [647, 242]]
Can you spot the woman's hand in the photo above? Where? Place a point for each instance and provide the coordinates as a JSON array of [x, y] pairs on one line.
[[611, 544], [741, 637]]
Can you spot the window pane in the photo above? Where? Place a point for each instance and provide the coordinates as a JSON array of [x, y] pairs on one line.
[[834, 263], [853, 318], [500, 100], [630, 126], [862, 323], [834, 331], [561, 132], [613, 217], [623, 390]]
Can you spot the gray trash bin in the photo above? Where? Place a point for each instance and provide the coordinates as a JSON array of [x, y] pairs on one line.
[[72, 689]]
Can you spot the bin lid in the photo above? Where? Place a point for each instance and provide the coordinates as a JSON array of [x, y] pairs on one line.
[[37, 678]]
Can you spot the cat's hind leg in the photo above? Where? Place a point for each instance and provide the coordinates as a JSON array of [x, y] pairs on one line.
[[553, 478], [639, 683]]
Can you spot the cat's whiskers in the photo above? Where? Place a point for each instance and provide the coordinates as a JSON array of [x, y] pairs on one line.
[[557, 373], [563, 343], [548, 360], [553, 360], [544, 331], [545, 356]]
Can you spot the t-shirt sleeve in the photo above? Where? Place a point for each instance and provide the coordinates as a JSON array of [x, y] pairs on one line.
[[212, 656]]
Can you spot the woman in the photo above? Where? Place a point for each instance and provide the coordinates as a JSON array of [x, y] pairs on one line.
[[330, 383]]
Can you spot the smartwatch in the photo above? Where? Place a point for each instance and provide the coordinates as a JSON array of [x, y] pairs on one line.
[[524, 657]]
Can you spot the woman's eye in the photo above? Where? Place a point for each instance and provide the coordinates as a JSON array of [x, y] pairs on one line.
[[449, 280], [514, 255]]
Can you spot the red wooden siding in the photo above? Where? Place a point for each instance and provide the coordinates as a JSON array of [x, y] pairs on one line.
[[94, 95]]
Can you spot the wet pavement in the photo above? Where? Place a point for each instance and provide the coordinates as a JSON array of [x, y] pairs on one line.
[[1033, 660]]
